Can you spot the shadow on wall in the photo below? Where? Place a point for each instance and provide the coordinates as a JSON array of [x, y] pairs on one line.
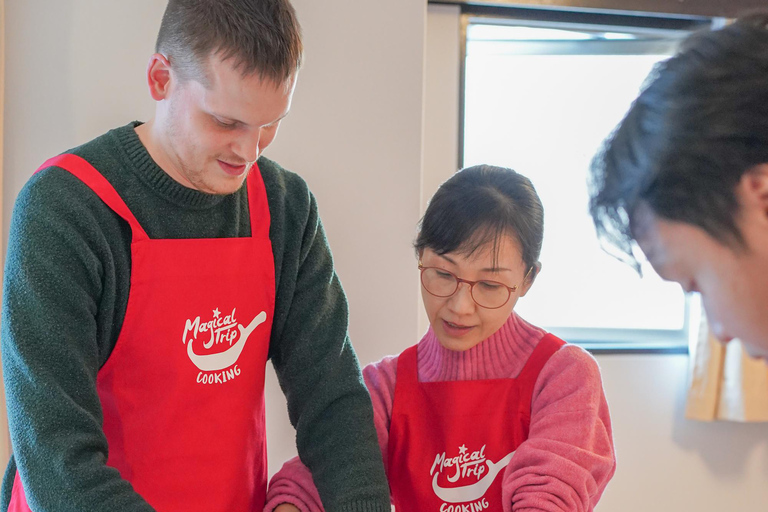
[[38, 116], [724, 446], [74, 69]]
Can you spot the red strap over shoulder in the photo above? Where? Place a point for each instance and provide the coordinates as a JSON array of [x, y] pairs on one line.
[[407, 366], [545, 349], [257, 203], [88, 174]]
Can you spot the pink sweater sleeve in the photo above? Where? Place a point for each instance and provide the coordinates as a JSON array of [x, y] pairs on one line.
[[293, 483], [568, 458]]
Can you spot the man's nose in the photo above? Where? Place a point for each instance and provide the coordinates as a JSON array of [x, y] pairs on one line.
[[248, 147]]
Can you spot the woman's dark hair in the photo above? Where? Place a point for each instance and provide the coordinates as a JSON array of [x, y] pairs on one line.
[[700, 123], [261, 36], [477, 206]]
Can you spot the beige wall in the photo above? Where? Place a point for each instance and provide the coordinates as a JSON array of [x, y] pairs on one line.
[[5, 441], [75, 69]]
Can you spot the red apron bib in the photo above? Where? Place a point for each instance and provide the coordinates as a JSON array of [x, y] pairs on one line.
[[450, 442], [183, 390]]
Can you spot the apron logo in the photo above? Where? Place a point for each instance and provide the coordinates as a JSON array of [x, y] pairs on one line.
[[218, 367], [466, 465]]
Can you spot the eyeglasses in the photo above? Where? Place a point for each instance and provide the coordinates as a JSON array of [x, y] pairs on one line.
[[486, 294]]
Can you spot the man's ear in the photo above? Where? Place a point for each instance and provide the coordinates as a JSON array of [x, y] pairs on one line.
[[535, 269], [158, 76], [752, 191]]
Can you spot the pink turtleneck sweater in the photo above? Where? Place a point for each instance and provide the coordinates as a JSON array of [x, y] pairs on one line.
[[568, 458]]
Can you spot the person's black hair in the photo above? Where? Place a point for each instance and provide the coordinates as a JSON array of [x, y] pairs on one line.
[[699, 124], [477, 206]]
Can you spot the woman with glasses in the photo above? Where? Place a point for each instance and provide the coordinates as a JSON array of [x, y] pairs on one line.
[[486, 412]]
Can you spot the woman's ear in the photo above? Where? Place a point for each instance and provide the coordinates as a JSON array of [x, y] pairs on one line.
[[530, 278]]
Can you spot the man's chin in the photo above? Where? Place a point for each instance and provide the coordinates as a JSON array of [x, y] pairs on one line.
[[756, 351], [223, 187]]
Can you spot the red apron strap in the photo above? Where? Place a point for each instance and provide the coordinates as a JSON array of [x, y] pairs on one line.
[[406, 382], [407, 362], [546, 347], [88, 174], [18, 498], [257, 204]]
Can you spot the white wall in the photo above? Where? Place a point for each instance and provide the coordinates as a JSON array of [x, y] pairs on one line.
[[665, 462], [75, 69], [355, 133]]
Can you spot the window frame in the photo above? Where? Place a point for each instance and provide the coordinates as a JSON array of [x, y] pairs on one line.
[[669, 8], [595, 340]]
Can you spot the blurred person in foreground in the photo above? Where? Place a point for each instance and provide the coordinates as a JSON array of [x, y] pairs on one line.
[[685, 177]]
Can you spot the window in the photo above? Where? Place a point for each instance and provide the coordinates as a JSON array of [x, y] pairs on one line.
[[540, 98]]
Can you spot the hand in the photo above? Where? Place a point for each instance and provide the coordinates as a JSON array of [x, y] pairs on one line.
[[286, 507]]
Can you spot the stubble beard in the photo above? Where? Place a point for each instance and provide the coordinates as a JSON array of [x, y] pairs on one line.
[[182, 150]]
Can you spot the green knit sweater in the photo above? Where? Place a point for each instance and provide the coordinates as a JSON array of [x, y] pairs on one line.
[[67, 279]]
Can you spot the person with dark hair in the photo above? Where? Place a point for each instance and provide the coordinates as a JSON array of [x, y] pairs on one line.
[[151, 273], [486, 412], [685, 177]]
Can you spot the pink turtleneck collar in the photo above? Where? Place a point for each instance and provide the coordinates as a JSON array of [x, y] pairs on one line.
[[500, 356]]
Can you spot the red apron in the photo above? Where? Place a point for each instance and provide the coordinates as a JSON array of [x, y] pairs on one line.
[[450, 442], [183, 391]]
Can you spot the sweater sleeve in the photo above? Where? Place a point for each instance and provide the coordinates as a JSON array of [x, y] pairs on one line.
[[568, 458], [293, 483], [56, 275], [316, 365]]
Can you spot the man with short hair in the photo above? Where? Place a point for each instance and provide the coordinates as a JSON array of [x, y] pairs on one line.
[[685, 175], [150, 275]]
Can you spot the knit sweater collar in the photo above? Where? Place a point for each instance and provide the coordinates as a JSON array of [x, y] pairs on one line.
[[501, 355], [142, 164]]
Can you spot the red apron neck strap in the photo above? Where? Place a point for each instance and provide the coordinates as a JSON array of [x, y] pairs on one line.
[[546, 347], [407, 366], [88, 174], [257, 204]]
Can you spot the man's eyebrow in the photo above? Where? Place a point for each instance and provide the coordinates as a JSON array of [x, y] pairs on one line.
[[237, 121], [223, 117], [662, 262]]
